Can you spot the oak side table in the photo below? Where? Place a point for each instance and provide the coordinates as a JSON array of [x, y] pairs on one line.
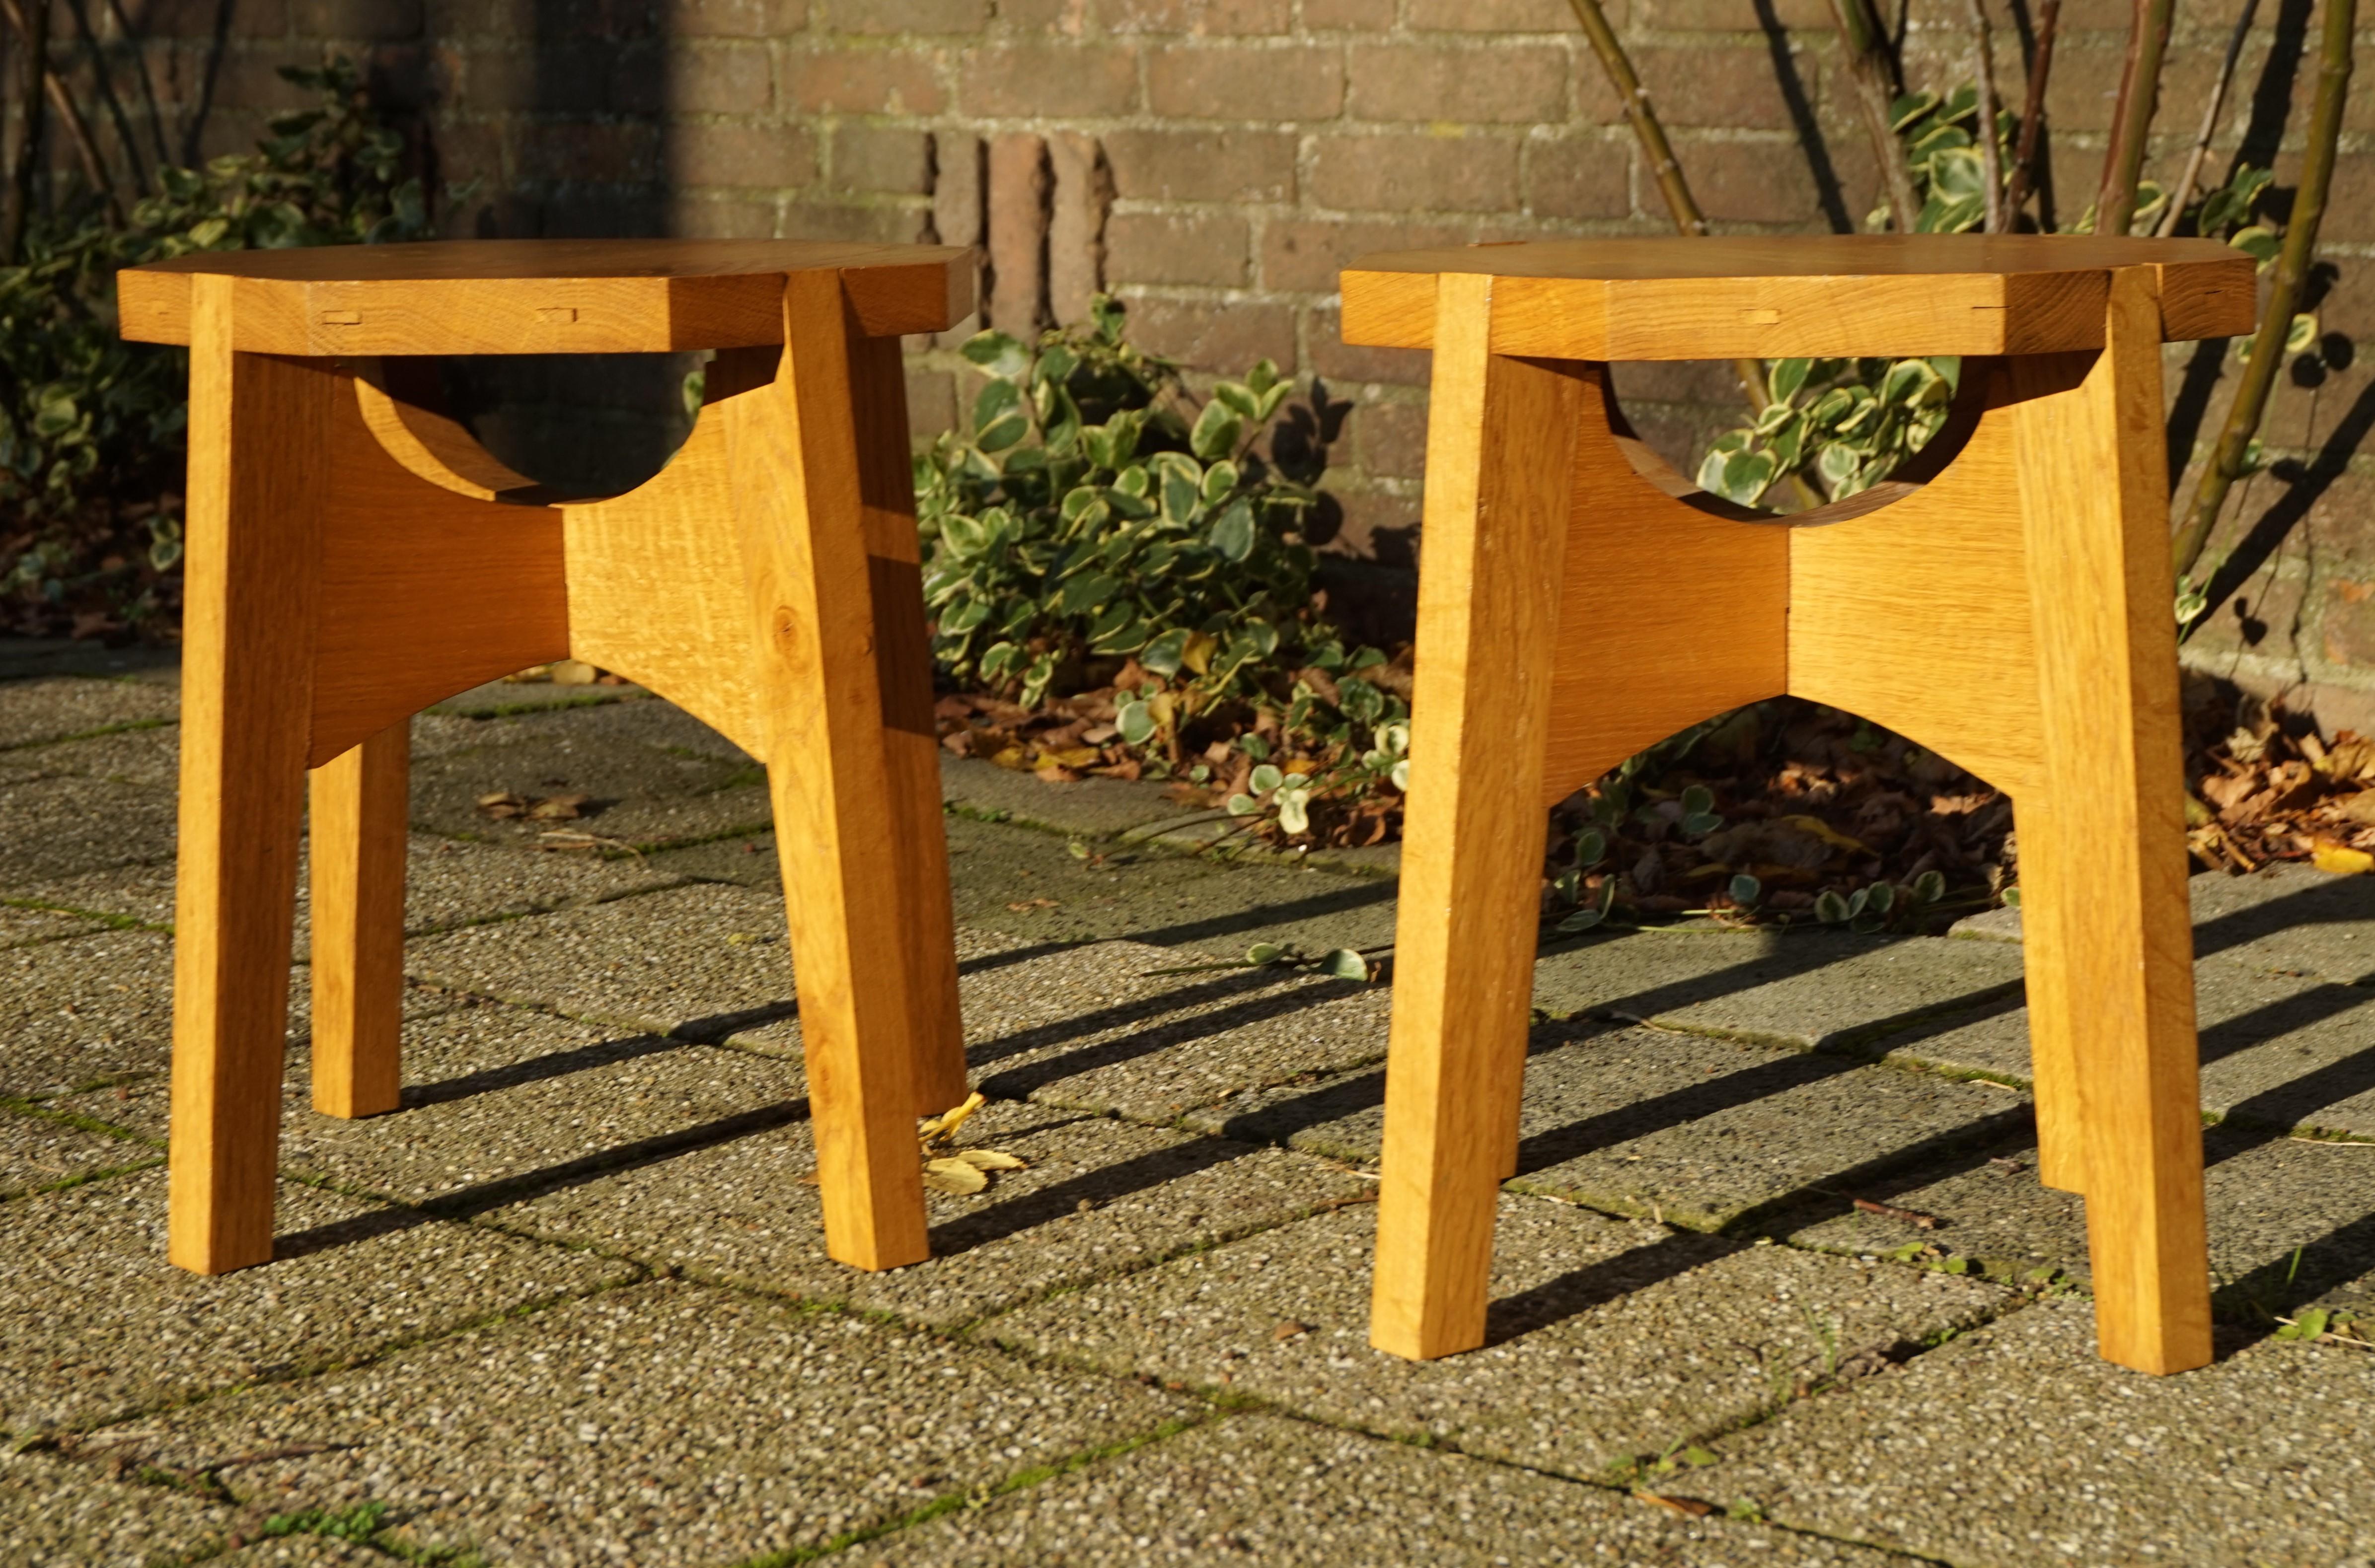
[[2007, 602], [354, 556]]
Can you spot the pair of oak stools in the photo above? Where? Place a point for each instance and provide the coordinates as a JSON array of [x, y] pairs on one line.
[[354, 556]]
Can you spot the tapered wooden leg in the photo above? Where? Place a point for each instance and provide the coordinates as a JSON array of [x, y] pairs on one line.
[[902, 657], [259, 443], [2095, 498], [1500, 440], [2053, 890], [792, 455], [361, 801]]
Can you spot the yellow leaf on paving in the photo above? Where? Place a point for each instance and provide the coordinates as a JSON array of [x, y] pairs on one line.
[[1073, 756], [991, 1160], [942, 1128], [957, 1177], [2340, 859]]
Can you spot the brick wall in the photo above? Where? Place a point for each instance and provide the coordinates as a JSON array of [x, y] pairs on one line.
[[1215, 161]]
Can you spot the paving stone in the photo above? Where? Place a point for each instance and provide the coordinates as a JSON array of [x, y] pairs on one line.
[[1696, 1132], [39, 1152], [1101, 1197], [1287, 1494], [1608, 1339], [648, 722], [2286, 917], [150, 756], [1097, 1028], [84, 1010], [1092, 807], [305, 1551], [24, 658], [1807, 989], [2279, 1049], [664, 1424], [506, 698], [703, 962], [55, 1514], [23, 927], [2015, 1445], [2291, 1222], [447, 884], [52, 707], [640, 795], [68, 826], [95, 1325]]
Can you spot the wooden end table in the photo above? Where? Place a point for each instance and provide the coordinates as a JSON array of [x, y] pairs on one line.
[[2008, 604], [354, 556]]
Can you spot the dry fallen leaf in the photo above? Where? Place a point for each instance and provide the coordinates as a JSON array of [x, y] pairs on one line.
[[558, 808], [1290, 1329], [501, 803], [1033, 904], [942, 1128], [2340, 859], [1689, 1507], [991, 1160], [2360, 807], [959, 1176]]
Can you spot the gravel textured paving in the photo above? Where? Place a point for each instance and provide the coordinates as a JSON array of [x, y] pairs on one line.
[[2016, 1445], [81, 1011], [23, 927], [96, 1325], [62, 826], [58, 1515], [667, 1425], [1287, 1494], [54, 707], [1676, 1128], [1099, 1198], [1608, 1341], [38, 1152]]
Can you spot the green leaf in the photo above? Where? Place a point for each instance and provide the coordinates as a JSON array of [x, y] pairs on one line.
[[1136, 722], [1216, 432], [1241, 401], [1265, 779], [1746, 890], [1232, 534], [998, 420], [1788, 376], [1265, 952], [2301, 335], [998, 354], [1929, 887], [2258, 242], [1830, 909], [1218, 481], [1343, 963], [1167, 653], [1590, 848], [1581, 920], [1697, 799]]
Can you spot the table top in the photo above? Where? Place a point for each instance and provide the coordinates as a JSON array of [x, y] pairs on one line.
[[541, 296], [1776, 297]]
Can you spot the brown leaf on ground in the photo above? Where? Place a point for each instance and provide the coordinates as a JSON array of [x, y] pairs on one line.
[[559, 808], [952, 1175], [1689, 1507]]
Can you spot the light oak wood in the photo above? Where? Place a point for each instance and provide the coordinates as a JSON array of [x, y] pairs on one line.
[[259, 478], [355, 847], [1472, 857], [2094, 488], [793, 451], [356, 555], [2005, 602], [542, 296], [1700, 298]]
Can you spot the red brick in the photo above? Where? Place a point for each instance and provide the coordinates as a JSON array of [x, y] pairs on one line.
[[2349, 204], [1202, 166], [1374, 524], [1226, 340], [1169, 248], [1493, 16], [1732, 16], [893, 159], [1049, 78], [1579, 177], [1337, 360], [1242, 82], [862, 81], [1752, 182], [958, 178], [1197, 17], [1702, 383], [729, 217], [2347, 624], [1523, 83], [365, 20], [1017, 301], [931, 403], [766, 157], [728, 78], [1076, 224], [902, 15], [1305, 254], [1402, 174], [1735, 89], [2085, 82], [1358, 16], [1390, 438], [617, 152], [874, 224], [735, 19]]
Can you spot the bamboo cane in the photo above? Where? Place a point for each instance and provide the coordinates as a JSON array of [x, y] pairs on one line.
[[1867, 64], [1991, 156], [2032, 113], [2132, 117]]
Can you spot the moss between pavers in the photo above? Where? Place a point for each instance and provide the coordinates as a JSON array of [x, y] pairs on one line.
[[47, 708], [60, 1514]]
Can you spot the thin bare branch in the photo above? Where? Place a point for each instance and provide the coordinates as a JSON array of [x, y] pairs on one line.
[[1875, 74], [2228, 460], [104, 81], [2132, 116], [2182, 191], [1999, 217], [2032, 113], [32, 54]]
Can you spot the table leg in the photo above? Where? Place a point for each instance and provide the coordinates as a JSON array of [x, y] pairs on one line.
[[360, 813], [259, 442], [1501, 437], [2095, 498], [793, 453]]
